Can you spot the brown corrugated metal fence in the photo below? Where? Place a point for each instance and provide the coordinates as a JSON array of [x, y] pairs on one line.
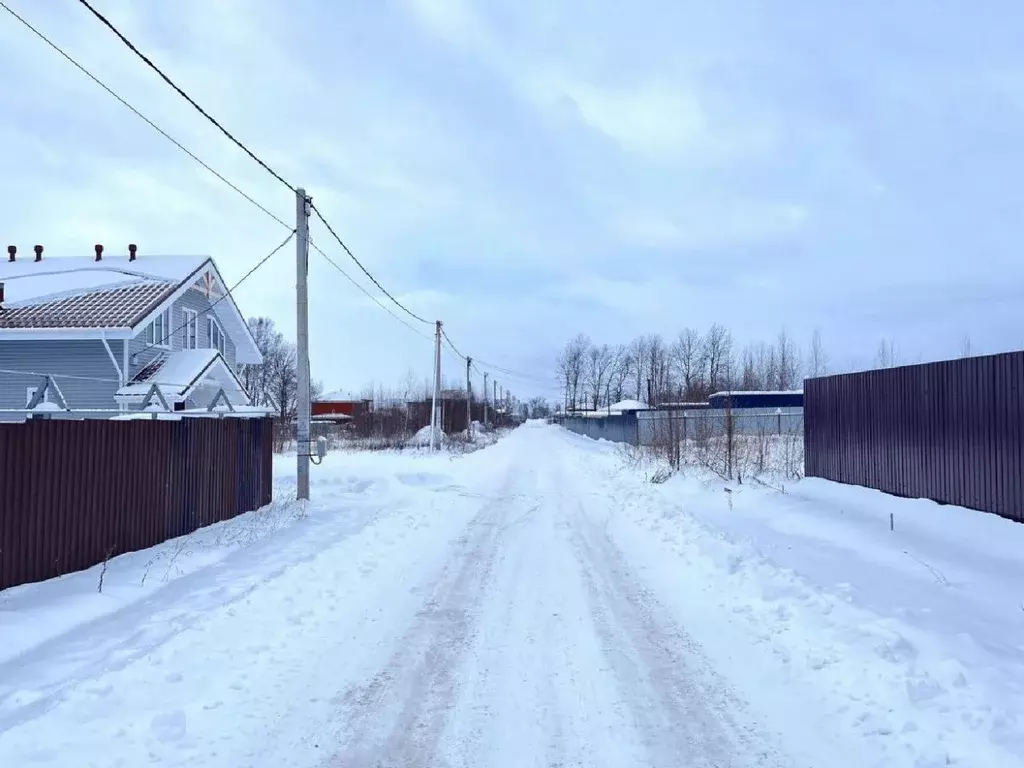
[[74, 493], [950, 431]]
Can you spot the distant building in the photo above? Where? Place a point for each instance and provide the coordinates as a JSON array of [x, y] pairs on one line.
[[777, 399], [339, 407]]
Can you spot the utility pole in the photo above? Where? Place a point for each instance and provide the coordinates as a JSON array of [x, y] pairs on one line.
[[302, 342], [485, 398], [494, 384], [435, 421], [469, 401]]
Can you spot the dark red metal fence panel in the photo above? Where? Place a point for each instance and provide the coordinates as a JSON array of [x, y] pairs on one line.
[[950, 431], [74, 493]]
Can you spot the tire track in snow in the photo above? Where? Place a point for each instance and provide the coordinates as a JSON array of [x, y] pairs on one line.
[[684, 713], [399, 716]]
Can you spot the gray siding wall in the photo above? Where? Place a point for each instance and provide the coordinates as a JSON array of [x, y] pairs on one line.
[[88, 357], [84, 357], [190, 300]]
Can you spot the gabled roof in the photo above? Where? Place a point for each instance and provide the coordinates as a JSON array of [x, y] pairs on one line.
[[178, 374], [114, 297], [118, 307], [29, 281]]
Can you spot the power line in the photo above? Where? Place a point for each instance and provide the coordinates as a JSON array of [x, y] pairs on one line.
[[369, 295], [184, 95], [141, 116], [237, 189], [245, 149], [213, 304], [450, 344], [366, 272], [510, 372]]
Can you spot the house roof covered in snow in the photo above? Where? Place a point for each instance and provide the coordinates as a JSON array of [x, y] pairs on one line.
[[114, 297], [627, 405], [178, 374], [119, 306], [340, 396]]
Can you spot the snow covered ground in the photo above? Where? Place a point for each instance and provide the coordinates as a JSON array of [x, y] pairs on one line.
[[535, 603]]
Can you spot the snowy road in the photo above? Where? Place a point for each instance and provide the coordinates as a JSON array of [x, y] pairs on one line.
[[481, 617], [536, 645], [536, 603]]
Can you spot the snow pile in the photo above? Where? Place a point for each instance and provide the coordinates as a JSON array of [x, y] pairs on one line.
[[422, 438], [908, 640]]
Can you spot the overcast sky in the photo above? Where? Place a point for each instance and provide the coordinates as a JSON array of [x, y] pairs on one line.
[[528, 170]]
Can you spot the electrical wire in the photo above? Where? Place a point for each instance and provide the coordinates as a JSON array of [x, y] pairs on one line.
[[184, 95], [141, 116], [369, 295], [511, 373], [106, 22], [450, 344], [366, 272], [245, 149], [260, 263]]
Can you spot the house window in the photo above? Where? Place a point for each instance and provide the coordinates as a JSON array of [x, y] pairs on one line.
[[31, 392], [215, 335], [158, 332], [189, 329]]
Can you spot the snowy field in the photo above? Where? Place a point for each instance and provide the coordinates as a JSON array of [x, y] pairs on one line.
[[534, 603]]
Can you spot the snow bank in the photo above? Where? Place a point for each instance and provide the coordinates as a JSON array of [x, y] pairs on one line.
[[908, 641], [422, 438], [222, 648]]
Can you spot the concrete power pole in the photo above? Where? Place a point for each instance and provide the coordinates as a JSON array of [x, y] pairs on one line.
[[435, 421], [485, 398], [469, 401], [302, 342]]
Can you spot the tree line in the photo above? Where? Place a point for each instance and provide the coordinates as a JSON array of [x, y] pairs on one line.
[[688, 368]]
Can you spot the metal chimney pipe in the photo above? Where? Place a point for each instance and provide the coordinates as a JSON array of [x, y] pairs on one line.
[[132, 248], [11, 251], [99, 252], [39, 252]]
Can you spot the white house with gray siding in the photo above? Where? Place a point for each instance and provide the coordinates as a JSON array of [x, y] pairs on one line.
[[105, 329]]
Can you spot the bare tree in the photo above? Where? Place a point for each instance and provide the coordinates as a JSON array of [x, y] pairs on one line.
[[256, 379], [599, 360], [571, 365], [538, 408], [638, 351], [789, 363], [657, 373], [965, 346], [750, 378], [817, 358], [273, 383], [621, 365], [687, 356], [886, 357], [284, 380], [767, 366], [718, 353]]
